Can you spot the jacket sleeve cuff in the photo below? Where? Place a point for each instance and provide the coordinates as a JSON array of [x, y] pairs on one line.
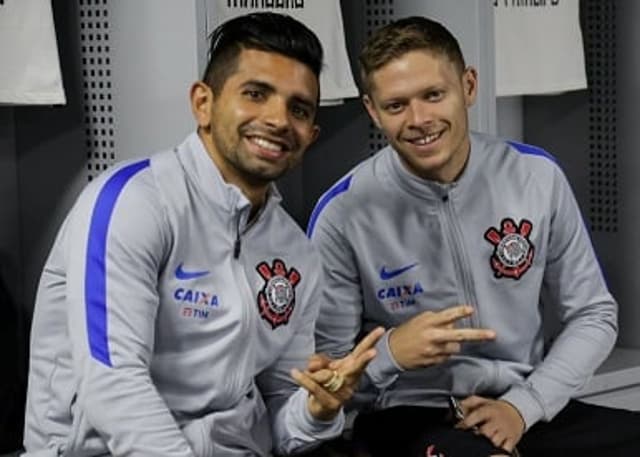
[[525, 400], [383, 370]]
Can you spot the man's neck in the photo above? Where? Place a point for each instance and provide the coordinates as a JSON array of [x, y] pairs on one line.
[[255, 192]]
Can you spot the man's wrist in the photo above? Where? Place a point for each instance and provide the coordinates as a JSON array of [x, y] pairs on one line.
[[523, 399], [523, 424], [319, 412]]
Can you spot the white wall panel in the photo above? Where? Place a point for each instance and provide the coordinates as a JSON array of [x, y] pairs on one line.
[[154, 52]]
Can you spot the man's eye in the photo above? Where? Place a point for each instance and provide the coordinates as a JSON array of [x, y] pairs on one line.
[[435, 95], [393, 107], [254, 94], [300, 112]]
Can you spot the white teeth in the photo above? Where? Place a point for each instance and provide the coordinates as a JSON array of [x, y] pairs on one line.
[[266, 144], [431, 138], [427, 139]]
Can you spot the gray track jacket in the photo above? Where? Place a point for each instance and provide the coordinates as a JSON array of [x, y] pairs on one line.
[[165, 326], [506, 238]]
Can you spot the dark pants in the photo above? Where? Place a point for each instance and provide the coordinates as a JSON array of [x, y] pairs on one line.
[[580, 430], [585, 430]]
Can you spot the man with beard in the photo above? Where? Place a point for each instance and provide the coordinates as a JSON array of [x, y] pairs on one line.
[[447, 231], [177, 305]]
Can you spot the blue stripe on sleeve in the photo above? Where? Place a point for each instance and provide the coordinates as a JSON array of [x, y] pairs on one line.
[[532, 150], [336, 190], [95, 277]]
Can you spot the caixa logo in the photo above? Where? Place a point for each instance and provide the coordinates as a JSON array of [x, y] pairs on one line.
[[195, 303], [398, 297]]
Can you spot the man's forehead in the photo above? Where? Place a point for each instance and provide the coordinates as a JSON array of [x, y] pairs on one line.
[[278, 71]]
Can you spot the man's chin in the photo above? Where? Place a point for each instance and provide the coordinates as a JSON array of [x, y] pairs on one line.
[[266, 176]]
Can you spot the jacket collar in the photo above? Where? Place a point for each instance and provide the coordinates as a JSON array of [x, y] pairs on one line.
[[425, 188]]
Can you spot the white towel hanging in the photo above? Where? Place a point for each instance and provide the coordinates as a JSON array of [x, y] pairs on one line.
[[538, 47], [29, 65]]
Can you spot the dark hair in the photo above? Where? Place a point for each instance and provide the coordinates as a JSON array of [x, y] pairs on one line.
[[262, 31], [405, 35]]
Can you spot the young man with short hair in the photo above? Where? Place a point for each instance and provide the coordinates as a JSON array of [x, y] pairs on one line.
[[446, 233], [179, 298]]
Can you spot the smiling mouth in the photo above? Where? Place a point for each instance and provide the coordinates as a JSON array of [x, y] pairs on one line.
[[426, 139], [269, 145]]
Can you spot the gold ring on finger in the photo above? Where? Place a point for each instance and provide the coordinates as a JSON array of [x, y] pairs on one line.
[[334, 383]]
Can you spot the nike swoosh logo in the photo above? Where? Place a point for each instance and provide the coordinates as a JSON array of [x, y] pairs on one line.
[[384, 274], [182, 274]]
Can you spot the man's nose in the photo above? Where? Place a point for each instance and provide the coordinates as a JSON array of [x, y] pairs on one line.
[[419, 113], [276, 114]]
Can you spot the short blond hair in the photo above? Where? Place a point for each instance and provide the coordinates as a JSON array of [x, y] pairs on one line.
[[402, 36]]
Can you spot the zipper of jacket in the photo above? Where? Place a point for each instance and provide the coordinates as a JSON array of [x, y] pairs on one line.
[[247, 316], [460, 259], [237, 245]]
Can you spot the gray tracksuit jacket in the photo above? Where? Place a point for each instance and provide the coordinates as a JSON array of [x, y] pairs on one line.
[[165, 325], [506, 238]]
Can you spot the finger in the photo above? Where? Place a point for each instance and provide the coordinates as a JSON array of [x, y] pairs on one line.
[[317, 362], [489, 430], [463, 334], [493, 434], [368, 342], [321, 376], [435, 360], [320, 394], [474, 401], [496, 437], [477, 417], [450, 348], [448, 315], [361, 362], [509, 444], [433, 351], [351, 366]]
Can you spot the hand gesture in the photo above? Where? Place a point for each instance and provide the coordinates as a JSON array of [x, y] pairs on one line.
[[331, 383], [498, 420], [430, 337]]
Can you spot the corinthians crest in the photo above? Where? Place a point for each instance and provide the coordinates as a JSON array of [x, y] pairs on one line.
[[513, 251], [277, 298]]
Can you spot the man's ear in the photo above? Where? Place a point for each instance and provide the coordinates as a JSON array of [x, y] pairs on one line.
[[315, 133], [470, 85], [201, 97], [371, 109]]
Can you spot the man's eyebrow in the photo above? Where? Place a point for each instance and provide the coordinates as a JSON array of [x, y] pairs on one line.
[[256, 83], [295, 98]]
